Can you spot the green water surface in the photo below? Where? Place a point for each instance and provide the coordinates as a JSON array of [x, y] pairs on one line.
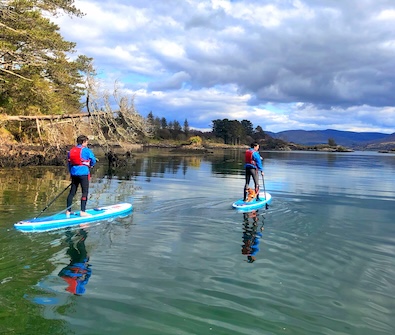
[[324, 250]]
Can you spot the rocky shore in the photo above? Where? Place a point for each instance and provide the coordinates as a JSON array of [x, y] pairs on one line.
[[19, 155]]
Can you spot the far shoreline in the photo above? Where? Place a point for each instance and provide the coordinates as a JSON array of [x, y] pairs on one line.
[[14, 155]]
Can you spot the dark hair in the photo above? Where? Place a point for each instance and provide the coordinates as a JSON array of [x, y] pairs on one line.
[[254, 144], [81, 139]]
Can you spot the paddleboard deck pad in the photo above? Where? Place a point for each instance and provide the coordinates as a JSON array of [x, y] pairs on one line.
[[253, 204], [61, 220]]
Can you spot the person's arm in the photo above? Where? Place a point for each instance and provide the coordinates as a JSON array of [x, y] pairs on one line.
[[92, 158], [258, 161], [88, 154]]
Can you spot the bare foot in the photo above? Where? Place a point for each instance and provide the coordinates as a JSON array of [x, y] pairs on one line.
[[85, 214]]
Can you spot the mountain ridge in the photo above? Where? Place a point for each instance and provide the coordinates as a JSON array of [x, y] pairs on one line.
[[354, 140]]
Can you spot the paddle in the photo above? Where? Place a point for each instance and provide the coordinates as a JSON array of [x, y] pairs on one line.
[[264, 191], [53, 201]]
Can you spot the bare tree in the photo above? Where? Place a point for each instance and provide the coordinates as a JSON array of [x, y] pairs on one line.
[[116, 121]]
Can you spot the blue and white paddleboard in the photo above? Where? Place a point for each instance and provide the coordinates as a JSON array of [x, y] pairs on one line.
[[61, 221], [253, 204]]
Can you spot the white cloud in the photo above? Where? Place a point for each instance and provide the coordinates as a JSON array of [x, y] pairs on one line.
[[283, 64], [386, 14]]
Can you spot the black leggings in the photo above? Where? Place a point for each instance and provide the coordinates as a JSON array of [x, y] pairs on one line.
[[252, 172], [75, 181]]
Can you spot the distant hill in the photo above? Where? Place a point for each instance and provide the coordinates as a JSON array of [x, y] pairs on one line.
[[355, 140], [387, 143]]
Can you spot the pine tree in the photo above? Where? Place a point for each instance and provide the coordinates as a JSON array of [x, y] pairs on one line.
[[186, 127], [36, 75]]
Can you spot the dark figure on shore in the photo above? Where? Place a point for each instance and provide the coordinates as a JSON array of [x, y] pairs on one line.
[[253, 165], [80, 160], [78, 272]]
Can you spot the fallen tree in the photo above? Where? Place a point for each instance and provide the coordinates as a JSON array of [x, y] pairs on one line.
[[38, 139]]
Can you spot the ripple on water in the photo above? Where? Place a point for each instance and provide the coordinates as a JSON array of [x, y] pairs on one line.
[[180, 270]]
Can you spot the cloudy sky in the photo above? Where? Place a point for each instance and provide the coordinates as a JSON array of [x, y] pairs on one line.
[[282, 64]]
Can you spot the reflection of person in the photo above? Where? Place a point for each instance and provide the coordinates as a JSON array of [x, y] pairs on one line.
[[251, 237], [80, 159], [78, 272], [253, 165]]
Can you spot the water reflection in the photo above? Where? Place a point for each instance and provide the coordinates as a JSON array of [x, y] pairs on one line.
[[78, 272], [252, 234], [228, 162], [54, 289], [120, 166], [157, 162], [148, 167], [318, 284]]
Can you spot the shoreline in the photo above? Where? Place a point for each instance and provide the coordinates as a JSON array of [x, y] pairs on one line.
[[21, 154]]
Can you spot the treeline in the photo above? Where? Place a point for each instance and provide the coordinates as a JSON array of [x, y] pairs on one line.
[[162, 129], [235, 132], [232, 132]]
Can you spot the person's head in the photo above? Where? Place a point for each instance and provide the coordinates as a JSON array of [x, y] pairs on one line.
[[255, 146], [251, 259], [81, 139]]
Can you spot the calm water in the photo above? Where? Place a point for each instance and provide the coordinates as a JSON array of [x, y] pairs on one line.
[[178, 264]]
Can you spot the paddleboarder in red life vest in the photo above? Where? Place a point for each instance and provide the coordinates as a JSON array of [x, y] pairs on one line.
[[253, 166], [80, 160]]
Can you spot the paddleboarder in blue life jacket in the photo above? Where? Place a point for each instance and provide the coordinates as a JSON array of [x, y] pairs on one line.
[[253, 165], [80, 160], [78, 272]]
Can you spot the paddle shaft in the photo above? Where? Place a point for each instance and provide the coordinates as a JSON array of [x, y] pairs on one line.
[[264, 191], [53, 200]]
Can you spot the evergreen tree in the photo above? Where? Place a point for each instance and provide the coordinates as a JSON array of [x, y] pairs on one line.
[[150, 118], [220, 129], [36, 75], [248, 128], [237, 132], [151, 123], [332, 142], [230, 131], [259, 133], [176, 126], [157, 124], [186, 127], [163, 123]]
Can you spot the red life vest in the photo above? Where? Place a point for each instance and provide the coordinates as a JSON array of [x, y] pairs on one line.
[[72, 282], [76, 159], [248, 157]]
